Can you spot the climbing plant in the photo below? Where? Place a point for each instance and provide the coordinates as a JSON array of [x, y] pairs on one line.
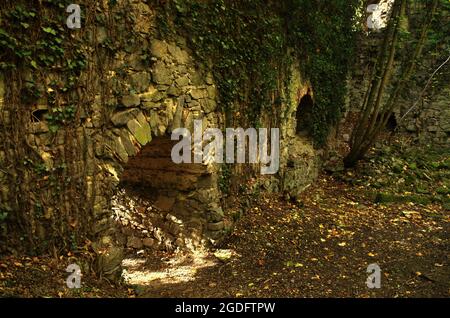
[[55, 70], [250, 45], [36, 44], [242, 41], [323, 35]]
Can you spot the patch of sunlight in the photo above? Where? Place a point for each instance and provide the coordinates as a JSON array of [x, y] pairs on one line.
[[178, 269], [225, 254], [132, 263]]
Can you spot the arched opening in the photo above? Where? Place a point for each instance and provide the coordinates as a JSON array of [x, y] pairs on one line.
[[38, 115], [160, 204], [391, 124], [304, 115]]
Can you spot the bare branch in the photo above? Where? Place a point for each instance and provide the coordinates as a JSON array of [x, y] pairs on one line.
[[424, 89]]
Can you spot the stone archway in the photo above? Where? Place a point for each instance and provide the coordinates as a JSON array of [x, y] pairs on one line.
[[300, 162], [174, 197], [142, 157], [135, 149]]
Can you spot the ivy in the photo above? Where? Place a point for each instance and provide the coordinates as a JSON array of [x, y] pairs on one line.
[[225, 179], [37, 39], [60, 116], [242, 41], [324, 37], [247, 44]]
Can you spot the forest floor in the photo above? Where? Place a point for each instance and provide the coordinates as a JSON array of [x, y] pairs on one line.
[[392, 211]]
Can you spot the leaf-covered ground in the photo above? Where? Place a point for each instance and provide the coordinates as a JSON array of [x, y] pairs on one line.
[[392, 211], [401, 173], [322, 247]]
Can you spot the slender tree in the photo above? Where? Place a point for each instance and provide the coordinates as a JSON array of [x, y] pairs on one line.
[[377, 108]]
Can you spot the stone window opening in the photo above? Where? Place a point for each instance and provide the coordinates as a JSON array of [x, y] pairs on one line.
[[304, 115], [38, 115]]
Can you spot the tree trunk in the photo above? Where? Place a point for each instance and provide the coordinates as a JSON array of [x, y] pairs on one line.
[[374, 116]]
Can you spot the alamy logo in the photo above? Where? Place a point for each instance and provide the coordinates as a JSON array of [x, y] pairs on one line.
[[379, 14], [213, 150], [74, 279], [374, 279], [74, 19]]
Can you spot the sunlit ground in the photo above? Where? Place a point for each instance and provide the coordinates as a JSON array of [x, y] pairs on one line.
[[180, 268]]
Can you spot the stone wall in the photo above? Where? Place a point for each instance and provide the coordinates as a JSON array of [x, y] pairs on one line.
[[152, 88], [300, 161], [429, 120]]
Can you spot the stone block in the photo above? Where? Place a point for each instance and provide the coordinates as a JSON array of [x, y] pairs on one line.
[[212, 92], [182, 81], [109, 262], [141, 132], [198, 93], [180, 56], [216, 214], [218, 226], [128, 145], [209, 105], [173, 91], [158, 48], [162, 74], [131, 100], [123, 117], [120, 150], [141, 81]]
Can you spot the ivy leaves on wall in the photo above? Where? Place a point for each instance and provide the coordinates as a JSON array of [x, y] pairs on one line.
[[247, 43]]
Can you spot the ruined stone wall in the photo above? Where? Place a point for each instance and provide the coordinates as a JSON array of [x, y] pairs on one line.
[[429, 120], [131, 102], [153, 87], [300, 161]]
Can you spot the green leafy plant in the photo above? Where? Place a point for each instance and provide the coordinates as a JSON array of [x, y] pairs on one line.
[[249, 44], [3, 216], [60, 116]]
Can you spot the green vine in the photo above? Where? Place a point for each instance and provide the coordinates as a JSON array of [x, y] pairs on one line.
[[243, 42], [46, 64], [247, 44]]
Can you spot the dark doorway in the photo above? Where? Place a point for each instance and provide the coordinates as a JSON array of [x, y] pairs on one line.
[[304, 115], [391, 124], [160, 204]]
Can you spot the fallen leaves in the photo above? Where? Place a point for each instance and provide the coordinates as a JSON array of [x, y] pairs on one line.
[[285, 250], [294, 264]]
